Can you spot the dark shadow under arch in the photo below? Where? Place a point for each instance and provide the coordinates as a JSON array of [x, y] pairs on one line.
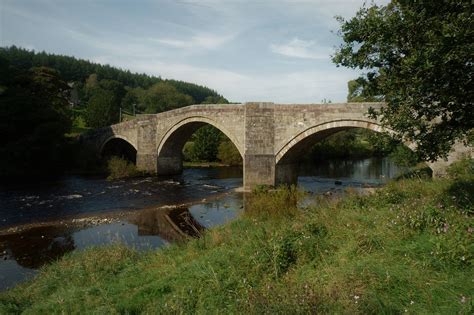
[[120, 148]]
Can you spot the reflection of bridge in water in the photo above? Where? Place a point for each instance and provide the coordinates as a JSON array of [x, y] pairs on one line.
[[32, 248], [173, 224], [270, 137]]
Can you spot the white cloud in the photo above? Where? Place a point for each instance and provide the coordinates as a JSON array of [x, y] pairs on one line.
[[299, 48], [287, 87], [201, 41]]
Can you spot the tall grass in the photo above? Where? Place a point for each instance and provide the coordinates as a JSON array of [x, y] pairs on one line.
[[406, 249]]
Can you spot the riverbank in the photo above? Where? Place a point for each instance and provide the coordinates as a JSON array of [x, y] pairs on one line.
[[205, 164], [406, 248]]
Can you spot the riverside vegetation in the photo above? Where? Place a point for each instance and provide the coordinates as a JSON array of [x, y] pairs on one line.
[[406, 248]]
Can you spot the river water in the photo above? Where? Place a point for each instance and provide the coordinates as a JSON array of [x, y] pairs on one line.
[[40, 222]]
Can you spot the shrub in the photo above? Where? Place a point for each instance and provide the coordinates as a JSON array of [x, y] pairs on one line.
[[120, 168], [462, 169], [272, 203], [188, 150]]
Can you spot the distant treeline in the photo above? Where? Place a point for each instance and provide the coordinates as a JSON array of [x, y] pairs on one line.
[[72, 69], [98, 92]]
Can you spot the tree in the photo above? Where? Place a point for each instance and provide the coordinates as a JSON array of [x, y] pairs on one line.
[[130, 100], [114, 86], [103, 109], [33, 120], [206, 143], [357, 92], [419, 58], [162, 97], [215, 99]]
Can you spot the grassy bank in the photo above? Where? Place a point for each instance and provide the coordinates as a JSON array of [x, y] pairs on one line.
[[407, 248]]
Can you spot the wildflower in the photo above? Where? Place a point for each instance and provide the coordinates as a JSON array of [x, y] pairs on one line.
[[463, 299], [445, 227], [412, 302]]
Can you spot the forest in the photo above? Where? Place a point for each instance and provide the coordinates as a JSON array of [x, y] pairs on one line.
[[48, 100]]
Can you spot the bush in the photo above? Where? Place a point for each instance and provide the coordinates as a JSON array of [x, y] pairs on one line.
[[228, 154], [188, 150], [120, 168], [462, 169]]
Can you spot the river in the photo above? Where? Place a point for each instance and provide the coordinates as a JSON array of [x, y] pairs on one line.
[[41, 221]]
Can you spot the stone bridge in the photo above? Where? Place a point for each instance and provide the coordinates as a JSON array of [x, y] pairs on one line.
[[270, 137]]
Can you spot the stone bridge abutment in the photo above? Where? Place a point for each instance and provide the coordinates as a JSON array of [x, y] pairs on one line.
[[270, 137]]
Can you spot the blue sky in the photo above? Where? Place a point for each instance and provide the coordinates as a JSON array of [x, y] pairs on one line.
[[276, 50]]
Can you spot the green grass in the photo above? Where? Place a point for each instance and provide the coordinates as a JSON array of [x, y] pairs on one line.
[[407, 248]]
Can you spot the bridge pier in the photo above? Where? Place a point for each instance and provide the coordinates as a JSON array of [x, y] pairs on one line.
[[259, 157], [169, 165], [259, 170], [146, 162]]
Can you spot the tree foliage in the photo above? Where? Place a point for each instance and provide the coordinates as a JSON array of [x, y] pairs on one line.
[[357, 92], [103, 109], [77, 70], [206, 142], [419, 58], [162, 97], [33, 120]]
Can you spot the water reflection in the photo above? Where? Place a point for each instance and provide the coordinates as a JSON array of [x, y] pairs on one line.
[[171, 224], [33, 247], [375, 170]]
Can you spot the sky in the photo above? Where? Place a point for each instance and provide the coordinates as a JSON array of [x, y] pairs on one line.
[[262, 50]]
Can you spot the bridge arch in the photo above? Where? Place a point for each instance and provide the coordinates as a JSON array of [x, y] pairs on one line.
[[119, 145], [287, 157], [296, 145], [169, 150]]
